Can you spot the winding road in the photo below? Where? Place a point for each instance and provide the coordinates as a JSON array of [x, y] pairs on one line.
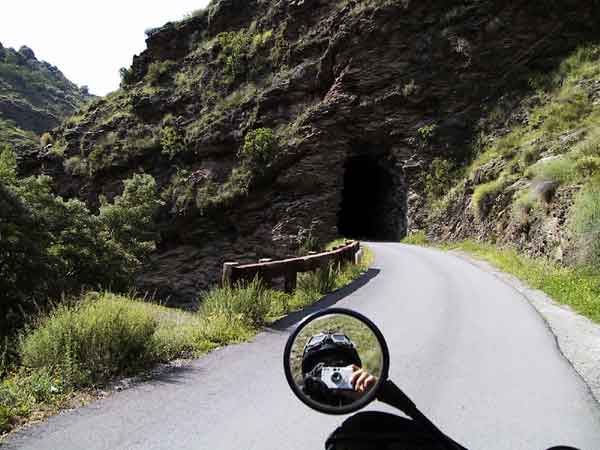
[[470, 351]]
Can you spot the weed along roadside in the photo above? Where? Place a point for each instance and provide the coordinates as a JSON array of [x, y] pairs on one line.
[[82, 345]]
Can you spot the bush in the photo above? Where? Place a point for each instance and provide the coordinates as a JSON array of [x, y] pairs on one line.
[[560, 170], [130, 218], [588, 166], [51, 247], [320, 281], [586, 223], [522, 206], [485, 195], [127, 76], [158, 71], [438, 179], [567, 110], [21, 394], [237, 47], [419, 238], [427, 132], [248, 304], [259, 146], [171, 141], [46, 139], [100, 337]]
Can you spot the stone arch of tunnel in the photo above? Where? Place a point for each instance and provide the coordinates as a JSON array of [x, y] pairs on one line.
[[373, 203]]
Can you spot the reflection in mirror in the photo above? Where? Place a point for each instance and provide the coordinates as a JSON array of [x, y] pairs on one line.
[[336, 360]]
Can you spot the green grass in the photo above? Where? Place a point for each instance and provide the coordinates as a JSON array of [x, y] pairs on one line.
[[103, 335], [577, 287]]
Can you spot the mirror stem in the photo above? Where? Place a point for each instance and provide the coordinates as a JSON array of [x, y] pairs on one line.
[[392, 395]]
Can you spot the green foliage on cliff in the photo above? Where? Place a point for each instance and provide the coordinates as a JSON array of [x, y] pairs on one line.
[[158, 71], [439, 178], [237, 47], [259, 147], [171, 141], [485, 194]]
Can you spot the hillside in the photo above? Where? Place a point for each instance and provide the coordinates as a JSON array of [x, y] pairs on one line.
[[533, 183], [271, 126], [34, 97]]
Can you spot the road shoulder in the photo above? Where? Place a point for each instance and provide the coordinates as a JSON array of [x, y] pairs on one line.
[[577, 337]]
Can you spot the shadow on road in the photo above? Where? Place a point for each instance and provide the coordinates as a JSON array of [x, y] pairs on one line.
[[326, 302]]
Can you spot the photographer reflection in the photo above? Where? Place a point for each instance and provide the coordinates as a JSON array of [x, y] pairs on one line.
[[332, 370]]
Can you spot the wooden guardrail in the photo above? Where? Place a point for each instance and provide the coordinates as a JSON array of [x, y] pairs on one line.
[[267, 270]]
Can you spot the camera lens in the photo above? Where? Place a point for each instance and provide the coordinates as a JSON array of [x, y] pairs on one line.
[[336, 378]]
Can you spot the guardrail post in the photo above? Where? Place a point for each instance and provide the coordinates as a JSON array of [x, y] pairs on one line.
[[291, 280], [227, 272], [358, 256]]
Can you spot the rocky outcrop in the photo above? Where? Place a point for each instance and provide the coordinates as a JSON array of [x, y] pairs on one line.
[[396, 82]]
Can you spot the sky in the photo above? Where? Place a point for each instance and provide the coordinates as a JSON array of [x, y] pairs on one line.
[[89, 41]]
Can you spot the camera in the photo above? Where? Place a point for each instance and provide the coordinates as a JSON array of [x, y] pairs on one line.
[[337, 378]]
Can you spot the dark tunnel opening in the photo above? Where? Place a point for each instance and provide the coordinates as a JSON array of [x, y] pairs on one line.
[[373, 200]]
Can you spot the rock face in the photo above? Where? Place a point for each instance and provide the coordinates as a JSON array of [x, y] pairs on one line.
[[34, 97], [360, 97]]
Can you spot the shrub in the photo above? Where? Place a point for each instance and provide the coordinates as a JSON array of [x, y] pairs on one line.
[[46, 139], [130, 218], [89, 342], [260, 39], [248, 304], [21, 394], [560, 170], [237, 47], [418, 238], [8, 165], [171, 141], [427, 132], [587, 166], [158, 71], [586, 223], [569, 108], [127, 76], [439, 178], [223, 195], [77, 166], [259, 147], [234, 46], [320, 281], [522, 206], [50, 246], [485, 195]]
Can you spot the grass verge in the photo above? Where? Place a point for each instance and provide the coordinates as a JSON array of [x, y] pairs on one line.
[[83, 345], [577, 287]]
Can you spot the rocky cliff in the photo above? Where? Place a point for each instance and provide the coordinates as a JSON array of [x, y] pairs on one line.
[[34, 97], [274, 125]]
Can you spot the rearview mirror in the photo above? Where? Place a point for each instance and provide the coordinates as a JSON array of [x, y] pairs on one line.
[[336, 360]]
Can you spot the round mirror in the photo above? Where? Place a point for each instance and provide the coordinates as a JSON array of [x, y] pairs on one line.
[[336, 360]]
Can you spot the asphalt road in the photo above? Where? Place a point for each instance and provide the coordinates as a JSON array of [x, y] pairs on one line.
[[469, 350]]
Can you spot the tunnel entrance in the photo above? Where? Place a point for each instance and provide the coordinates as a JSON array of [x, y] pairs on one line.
[[373, 200]]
